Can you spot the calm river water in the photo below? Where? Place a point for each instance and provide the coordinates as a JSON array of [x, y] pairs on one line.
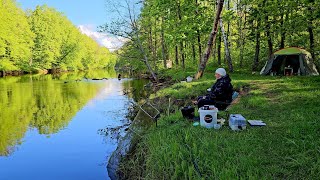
[[55, 127]]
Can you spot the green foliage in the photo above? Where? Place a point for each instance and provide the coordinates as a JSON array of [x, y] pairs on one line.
[[6, 64], [59, 44], [287, 148], [46, 39], [16, 38], [183, 23]]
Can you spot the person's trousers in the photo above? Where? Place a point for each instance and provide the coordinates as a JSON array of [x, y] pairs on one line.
[[202, 102]]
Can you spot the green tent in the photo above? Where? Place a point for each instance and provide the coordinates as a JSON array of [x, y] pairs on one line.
[[290, 61]]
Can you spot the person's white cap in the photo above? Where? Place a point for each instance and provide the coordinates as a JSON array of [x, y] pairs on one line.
[[221, 71]]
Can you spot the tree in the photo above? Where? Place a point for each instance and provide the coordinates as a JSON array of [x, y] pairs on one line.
[[226, 47], [131, 29], [45, 39], [15, 37], [211, 41], [256, 28]]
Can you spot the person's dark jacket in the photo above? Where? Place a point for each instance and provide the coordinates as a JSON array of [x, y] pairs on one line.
[[222, 90]]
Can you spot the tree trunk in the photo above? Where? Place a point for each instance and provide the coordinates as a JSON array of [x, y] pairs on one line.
[[145, 60], [242, 41], [226, 47], [163, 46], [211, 40], [193, 53], [311, 36], [283, 32], [242, 26], [219, 49], [256, 56], [228, 30], [30, 61], [199, 45], [268, 34], [67, 53], [155, 56], [139, 43], [182, 54], [181, 41], [177, 55], [228, 26], [241, 52], [152, 47], [150, 44], [198, 34], [185, 47]]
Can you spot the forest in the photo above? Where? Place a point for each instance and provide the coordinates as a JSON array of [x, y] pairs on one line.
[[175, 33], [171, 34], [44, 39]]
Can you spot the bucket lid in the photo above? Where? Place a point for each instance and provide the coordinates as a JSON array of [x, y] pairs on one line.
[[208, 111]]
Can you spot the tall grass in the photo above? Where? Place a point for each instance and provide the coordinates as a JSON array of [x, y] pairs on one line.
[[287, 148]]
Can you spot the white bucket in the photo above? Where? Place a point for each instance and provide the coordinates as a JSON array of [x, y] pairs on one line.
[[189, 79], [208, 118]]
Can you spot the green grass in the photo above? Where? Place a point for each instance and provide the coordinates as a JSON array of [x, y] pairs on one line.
[[287, 148]]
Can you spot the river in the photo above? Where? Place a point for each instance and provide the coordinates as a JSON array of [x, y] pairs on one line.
[[58, 126]]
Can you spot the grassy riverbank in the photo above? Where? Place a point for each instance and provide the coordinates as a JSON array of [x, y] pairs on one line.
[[288, 147]]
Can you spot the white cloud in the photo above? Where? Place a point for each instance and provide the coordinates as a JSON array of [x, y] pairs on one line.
[[111, 42]]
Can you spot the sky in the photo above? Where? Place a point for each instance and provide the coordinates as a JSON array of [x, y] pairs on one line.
[[85, 14]]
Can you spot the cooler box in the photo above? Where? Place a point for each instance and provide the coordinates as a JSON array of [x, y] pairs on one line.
[[237, 122], [208, 118]]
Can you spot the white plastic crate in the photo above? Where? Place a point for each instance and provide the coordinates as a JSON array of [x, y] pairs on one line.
[[237, 122]]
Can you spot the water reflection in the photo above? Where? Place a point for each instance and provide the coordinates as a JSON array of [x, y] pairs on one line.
[[63, 126], [38, 102], [128, 93], [94, 74], [136, 89]]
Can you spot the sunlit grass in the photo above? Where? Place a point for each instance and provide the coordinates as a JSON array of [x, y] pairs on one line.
[[287, 148]]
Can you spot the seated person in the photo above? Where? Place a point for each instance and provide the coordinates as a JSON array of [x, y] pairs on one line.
[[221, 91]]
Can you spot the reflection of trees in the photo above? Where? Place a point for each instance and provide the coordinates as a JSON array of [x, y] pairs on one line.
[[17, 107], [135, 89], [100, 74], [46, 104], [97, 73]]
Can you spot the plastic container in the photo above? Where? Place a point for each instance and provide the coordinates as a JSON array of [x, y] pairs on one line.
[[188, 112], [189, 79], [217, 126], [208, 118], [237, 122]]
